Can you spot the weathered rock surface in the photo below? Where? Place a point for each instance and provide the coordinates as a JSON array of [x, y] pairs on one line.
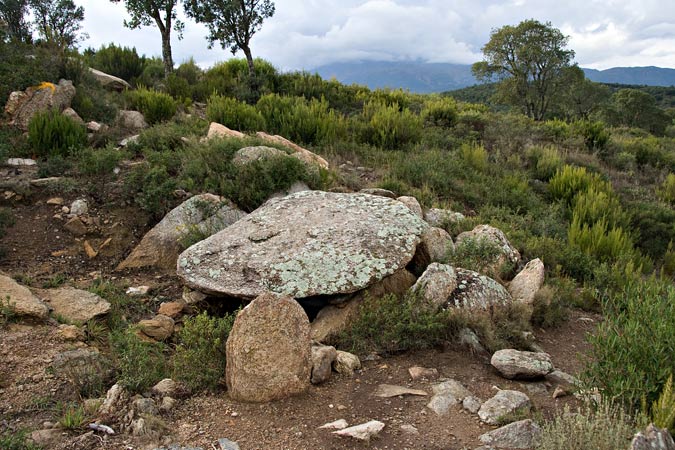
[[653, 438], [75, 305], [434, 246], [420, 373], [446, 395], [333, 319], [114, 401], [73, 115], [109, 81], [21, 300], [472, 404], [340, 424], [203, 215], [523, 434], [362, 432], [525, 285], [377, 191], [304, 155], [323, 357], [476, 291], [76, 227], [83, 367], [247, 155], [436, 285], [390, 390], [346, 363], [217, 130], [79, 207], [22, 106], [508, 253], [514, 364], [412, 204], [159, 327], [440, 217], [503, 404], [269, 350], [306, 244], [131, 120]]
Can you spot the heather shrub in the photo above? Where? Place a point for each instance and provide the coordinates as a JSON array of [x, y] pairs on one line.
[[666, 192], [440, 112], [51, 133], [474, 156], [592, 206], [594, 134], [389, 126], [599, 240], [139, 364], [234, 114], [569, 181], [155, 106], [544, 162]]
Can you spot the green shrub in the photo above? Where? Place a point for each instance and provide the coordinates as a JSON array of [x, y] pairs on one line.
[[594, 134], [234, 114], [474, 156], [153, 73], [666, 192], [122, 62], [178, 88], [592, 206], [599, 240], [140, 364], [440, 112], [631, 356], [662, 411], [99, 162], [51, 133], [155, 106], [300, 120], [200, 360], [152, 189], [549, 308], [310, 85], [71, 416], [556, 130], [475, 254], [17, 441], [655, 224], [569, 181], [389, 126], [604, 428], [544, 162]]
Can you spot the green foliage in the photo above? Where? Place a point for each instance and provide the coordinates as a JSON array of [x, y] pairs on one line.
[[200, 360], [544, 161], [604, 428], [99, 162], [594, 134], [631, 355], [666, 192], [340, 97], [51, 133], [600, 240], [152, 189], [475, 254], [122, 62], [655, 224], [390, 126], [662, 411], [550, 307], [17, 441], [440, 112], [139, 364], [636, 108], [71, 416], [474, 156], [569, 181], [24, 65], [123, 309], [7, 312], [234, 114], [592, 206], [300, 120], [58, 23], [155, 106]]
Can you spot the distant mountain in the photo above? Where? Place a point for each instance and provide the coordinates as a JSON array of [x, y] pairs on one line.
[[421, 77], [646, 76]]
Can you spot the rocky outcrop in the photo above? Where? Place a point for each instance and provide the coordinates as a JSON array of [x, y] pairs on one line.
[[304, 155], [476, 291], [517, 365], [201, 216], [525, 285], [435, 245], [508, 254], [218, 131], [436, 285], [442, 217], [109, 81], [269, 350], [74, 305], [20, 300], [22, 106], [247, 155], [412, 204], [307, 244]]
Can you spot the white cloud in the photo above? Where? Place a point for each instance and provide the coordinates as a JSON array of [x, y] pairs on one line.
[[308, 33]]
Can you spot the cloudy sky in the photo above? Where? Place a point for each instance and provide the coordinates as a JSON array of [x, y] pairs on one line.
[[305, 34]]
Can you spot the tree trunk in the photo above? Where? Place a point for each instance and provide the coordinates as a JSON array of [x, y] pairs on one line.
[[166, 52], [249, 59]]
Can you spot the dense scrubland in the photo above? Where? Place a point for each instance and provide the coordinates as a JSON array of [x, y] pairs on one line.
[[589, 189]]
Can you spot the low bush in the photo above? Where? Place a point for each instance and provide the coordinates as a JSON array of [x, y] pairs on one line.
[[474, 156], [17, 440], [71, 416], [389, 126], [666, 192], [594, 134], [155, 106], [593, 206], [440, 112], [99, 162], [662, 411], [122, 62], [140, 364], [152, 189], [569, 181], [475, 254], [544, 162], [599, 240], [50, 133], [234, 114], [200, 360]]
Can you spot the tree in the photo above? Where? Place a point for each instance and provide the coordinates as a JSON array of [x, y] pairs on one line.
[[634, 108], [232, 22], [163, 14], [58, 22], [13, 17], [529, 60], [579, 97]]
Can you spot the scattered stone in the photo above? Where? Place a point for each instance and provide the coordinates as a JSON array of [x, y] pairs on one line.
[[18, 162], [159, 327], [514, 364], [562, 379], [345, 363], [171, 309], [653, 438], [436, 285], [441, 403], [168, 387], [248, 155], [323, 357], [471, 404], [79, 207], [145, 406], [307, 244], [74, 305], [201, 215], [505, 403], [508, 253], [131, 120], [55, 201], [226, 444], [168, 403], [362, 432], [477, 292], [468, 338], [129, 140], [21, 300], [537, 388], [413, 205], [71, 333], [102, 428], [191, 297], [89, 250], [378, 191], [389, 390], [517, 435], [453, 387], [310, 159], [94, 127], [560, 392], [109, 81], [46, 438], [422, 373], [139, 291], [409, 429], [44, 182], [217, 130], [525, 285], [337, 425], [269, 350], [442, 217]]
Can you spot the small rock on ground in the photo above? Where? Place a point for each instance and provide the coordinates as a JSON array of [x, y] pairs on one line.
[[362, 432], [517, 435]]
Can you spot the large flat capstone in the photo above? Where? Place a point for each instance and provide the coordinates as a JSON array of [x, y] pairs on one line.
[[306, 244]]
